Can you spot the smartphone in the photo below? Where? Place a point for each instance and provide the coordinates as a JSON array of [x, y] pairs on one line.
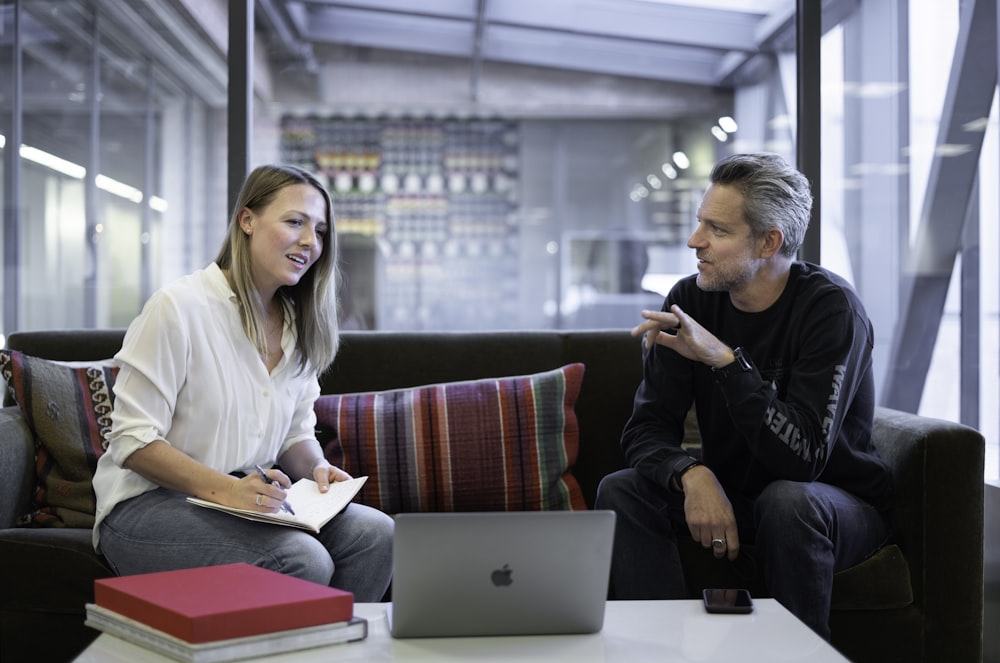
[[731, 601]]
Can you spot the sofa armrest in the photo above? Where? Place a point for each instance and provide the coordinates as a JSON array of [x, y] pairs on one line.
[[17, 466], [937, 516]]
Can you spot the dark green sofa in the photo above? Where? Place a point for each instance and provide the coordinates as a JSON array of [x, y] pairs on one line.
[[920, 599]]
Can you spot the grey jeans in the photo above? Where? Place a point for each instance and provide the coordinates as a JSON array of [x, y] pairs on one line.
[[160, 531]]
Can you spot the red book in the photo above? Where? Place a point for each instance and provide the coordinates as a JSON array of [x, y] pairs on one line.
[[219, 602]]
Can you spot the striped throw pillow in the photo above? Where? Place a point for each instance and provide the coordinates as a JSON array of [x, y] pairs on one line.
[[68, 407], [501, 444]]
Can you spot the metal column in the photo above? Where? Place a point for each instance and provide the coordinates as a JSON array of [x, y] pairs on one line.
[[91, 279], [12, 183], [808, 34], [240, 110]]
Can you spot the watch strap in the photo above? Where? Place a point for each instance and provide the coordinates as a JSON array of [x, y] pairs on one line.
[[682, 466]]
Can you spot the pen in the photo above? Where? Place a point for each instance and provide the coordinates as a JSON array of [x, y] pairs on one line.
[[285, 506]]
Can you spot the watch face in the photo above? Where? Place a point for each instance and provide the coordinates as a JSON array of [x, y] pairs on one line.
[[741, 360]]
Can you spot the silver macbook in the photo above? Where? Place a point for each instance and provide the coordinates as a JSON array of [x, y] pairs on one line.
[[509, 573]]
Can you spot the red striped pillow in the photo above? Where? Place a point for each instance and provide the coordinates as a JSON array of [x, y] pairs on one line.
[[500, 444]]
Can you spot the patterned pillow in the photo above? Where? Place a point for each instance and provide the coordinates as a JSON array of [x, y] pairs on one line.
[[68, 408], [501, 444]]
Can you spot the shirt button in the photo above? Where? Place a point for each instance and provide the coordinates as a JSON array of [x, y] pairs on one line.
[[267, 394]]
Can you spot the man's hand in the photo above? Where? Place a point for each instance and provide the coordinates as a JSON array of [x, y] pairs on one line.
[[709, 513], [683, 335]]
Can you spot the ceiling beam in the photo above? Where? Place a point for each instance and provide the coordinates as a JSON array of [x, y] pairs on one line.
[[505, 43], [477, 51], [284, 35]]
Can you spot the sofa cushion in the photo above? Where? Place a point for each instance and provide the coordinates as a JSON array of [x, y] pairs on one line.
[[501, 444], [68, 407], [881, 582]]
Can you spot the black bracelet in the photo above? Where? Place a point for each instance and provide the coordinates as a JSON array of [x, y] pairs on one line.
[[681, 468]]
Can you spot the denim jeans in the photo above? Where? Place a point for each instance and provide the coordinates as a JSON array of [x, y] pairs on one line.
[[804, 532], [159, 531]]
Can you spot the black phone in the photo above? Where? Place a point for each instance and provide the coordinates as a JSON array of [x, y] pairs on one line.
[[732, 601]]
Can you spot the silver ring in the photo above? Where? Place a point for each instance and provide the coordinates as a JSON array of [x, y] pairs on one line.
[[718, 544], [258, 499]]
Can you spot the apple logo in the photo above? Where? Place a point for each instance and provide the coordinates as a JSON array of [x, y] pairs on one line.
[[502, 577]]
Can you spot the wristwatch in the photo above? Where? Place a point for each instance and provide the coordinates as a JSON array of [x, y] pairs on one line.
[[740, 365]]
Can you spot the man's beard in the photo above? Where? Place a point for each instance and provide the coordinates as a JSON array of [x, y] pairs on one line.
[[725, 280]]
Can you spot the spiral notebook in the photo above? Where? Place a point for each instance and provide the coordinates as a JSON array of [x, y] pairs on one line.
[[510, 573]]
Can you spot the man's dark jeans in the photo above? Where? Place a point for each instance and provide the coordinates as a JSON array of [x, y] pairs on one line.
[[804, 533]]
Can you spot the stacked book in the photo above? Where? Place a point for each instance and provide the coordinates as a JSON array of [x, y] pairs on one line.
[[223, 613]]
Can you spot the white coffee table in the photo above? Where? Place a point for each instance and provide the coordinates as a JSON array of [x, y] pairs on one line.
[[634, 631]]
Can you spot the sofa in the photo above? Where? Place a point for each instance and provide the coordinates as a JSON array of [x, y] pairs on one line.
[[918, 599]]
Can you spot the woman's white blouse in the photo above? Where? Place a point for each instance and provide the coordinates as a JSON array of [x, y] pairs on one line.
[[189, 375]]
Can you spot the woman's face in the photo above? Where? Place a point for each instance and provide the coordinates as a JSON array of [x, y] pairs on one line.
[[286, 237]]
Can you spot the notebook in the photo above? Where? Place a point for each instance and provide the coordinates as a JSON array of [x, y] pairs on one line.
[[500, 573]]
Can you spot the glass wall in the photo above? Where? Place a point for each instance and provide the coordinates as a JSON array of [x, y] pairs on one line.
[[530, 197], [110, 154], [910, 165], [483, 223]]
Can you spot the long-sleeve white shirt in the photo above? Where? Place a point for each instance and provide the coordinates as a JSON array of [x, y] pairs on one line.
[[189, 375]]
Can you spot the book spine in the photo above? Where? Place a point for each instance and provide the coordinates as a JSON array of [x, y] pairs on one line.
[[144, 611], [354, 631], [227, 650], [266, 619]]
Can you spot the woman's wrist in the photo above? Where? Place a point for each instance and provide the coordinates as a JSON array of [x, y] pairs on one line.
[[318, 463]]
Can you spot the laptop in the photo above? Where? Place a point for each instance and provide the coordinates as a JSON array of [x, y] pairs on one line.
[[500, 573]]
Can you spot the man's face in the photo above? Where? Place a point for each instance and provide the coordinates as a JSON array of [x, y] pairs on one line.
[[726, 251]]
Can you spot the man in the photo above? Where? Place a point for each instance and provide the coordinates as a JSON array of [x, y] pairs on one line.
[[775, 354]]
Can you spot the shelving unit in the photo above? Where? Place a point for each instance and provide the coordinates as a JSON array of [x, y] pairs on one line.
[[436, 200]]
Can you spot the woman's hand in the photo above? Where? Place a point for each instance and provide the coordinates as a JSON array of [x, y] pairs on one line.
[[306, 459], [323, 473], [253, 494], [269, 488]]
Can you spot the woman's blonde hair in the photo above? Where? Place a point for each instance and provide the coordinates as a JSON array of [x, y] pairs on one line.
[[313, 299]]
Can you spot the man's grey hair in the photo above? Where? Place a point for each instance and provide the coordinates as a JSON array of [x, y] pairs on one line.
[[774, 194]]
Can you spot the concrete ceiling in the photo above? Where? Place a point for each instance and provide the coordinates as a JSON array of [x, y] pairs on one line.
[[647, 57], [704, 42]]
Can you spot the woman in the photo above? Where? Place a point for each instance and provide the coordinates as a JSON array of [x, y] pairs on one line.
[[219, 373]]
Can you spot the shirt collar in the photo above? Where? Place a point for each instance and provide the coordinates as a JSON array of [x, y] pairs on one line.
[[218, 282]]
